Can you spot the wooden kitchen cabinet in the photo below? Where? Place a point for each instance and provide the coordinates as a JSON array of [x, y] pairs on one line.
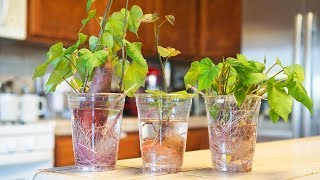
[[202, 27], [55, 20], [129, 147], [197, 139], [220, 28], [63, 151], [60, 20], [183, 34]]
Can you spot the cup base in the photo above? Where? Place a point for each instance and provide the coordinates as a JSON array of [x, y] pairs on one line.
[[95, 168], [234, 169], [156, 169]]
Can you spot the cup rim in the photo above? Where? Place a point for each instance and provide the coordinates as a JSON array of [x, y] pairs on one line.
[[148, 95], [93, 94], [231, 96]]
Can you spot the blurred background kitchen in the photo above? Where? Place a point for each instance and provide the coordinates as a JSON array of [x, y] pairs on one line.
[[35, 129]]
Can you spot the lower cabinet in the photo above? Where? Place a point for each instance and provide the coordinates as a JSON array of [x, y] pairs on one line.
[[129, 146]]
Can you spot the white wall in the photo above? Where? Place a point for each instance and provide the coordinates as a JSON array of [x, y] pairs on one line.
[[18, 60]]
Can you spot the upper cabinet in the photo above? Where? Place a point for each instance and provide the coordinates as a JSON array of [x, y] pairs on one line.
[[202, 27], [183, 34], [220, 28], [52, 21], [60, 20]]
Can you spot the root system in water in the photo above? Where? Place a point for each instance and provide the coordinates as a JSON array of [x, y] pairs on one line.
[[232, 145], [164, 150], [96, 138]]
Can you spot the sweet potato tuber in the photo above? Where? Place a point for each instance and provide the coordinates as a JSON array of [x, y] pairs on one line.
[[101, 82]]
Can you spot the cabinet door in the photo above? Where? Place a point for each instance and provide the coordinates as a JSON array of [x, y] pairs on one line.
[[55, 20], [220, 28], [182, 35]]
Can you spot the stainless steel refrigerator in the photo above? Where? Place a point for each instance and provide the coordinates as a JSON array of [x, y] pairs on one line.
[[290, 30]]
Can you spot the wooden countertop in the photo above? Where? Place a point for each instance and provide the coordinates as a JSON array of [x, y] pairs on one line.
[[286, 159]]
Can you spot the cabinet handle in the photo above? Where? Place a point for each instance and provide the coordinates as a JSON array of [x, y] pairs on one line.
[[308, 69], [296, 113]]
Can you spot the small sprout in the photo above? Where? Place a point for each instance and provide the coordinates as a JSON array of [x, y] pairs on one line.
[[171, 19], [168, 52], [149, 18]]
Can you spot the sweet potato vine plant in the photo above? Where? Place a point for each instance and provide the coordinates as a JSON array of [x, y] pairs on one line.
[[88, 67], [167, 145], [97, 60], [242, 77], [233, 119]]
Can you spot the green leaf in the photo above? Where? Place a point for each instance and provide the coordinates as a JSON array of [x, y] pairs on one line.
[[296, 90], [55, 52], [107, 39], [115, 24], [40, 70], [135, 14], [134, 52], [89, 3], [207, 72], [278, 99], [55, 79], [76, 83], [137, 71], [256, 78], [135, 75], [170, 19], [182, 94], [167, 52], [274, 116], [61, 72], [240, 93], [256, 67], [114, 61], [89, 60], [241, 58], [179, 94], [82, 38], [93, 42], [278, 61], [248, 72], [91, 14], [156, 92], [149, 18], [295, 71], [192, 75], [118, 67]]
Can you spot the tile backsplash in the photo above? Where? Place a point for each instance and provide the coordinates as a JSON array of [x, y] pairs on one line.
[[17, 62]]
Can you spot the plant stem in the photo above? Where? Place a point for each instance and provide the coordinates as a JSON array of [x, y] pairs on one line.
[[163, 23], [123, 46], [70, 62], [156, 31], [70, 85], [85, 81], [104, 21], [277, 74], [226, 80], [271, 68]]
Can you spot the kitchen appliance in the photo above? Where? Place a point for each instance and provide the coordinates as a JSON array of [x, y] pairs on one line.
[[290, 30], [31, 107], [13, 19], [9, 107]]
